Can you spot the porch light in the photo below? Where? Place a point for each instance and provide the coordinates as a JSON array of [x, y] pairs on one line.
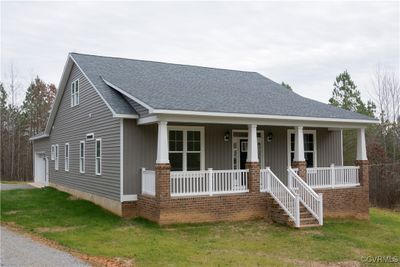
[[269, 137], [226, 136]]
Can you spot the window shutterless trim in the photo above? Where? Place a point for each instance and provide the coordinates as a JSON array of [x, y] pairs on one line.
[[98, 162], [66, 157], [82, 155], [75, 93], [56, 157], [289, 150]]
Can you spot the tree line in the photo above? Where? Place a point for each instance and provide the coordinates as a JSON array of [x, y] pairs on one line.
[[19, 122]]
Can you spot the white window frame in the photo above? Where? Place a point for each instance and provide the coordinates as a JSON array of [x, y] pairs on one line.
[[66, 157], [98, 162], [185, 129], [75, 93], [56, 157], [82, 156], [314, 133], [89, 136], [52, 152]]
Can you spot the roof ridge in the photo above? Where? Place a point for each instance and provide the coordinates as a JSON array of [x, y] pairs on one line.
[[160, 62]]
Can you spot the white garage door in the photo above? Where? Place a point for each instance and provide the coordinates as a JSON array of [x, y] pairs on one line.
[[40, 168]]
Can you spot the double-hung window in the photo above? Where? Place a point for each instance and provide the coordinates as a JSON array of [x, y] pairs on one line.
[[82, 157], [98, 156], [75, 93], [56, 155], [186, 148], [310, 147], [66, 158], [53, 148]]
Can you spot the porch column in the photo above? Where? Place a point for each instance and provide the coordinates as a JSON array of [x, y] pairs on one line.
[[362, 159], [162, 167], [299, 161], [252, 162]]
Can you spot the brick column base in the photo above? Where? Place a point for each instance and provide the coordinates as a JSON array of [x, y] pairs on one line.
[[254, 176], [363, 174], [162, 172], [302, 168]]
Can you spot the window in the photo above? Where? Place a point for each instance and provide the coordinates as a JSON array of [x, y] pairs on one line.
[[52, 151], [89, 137], [310, 147], [75, 93], [56, 158], [66, 158], [186, 148], [82, 157], [98, 156]]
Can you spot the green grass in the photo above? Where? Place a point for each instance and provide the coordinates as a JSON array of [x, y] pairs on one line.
[[85, 227]]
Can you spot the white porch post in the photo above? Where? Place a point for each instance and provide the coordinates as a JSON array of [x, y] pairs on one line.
[[252, 147], [361, 145], [298, 144], [162, 143]]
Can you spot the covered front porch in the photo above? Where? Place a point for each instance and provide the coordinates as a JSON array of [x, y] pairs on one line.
[[210, 161]]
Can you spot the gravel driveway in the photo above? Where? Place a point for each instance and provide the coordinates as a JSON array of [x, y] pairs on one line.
[[17, 250], [15, 186]]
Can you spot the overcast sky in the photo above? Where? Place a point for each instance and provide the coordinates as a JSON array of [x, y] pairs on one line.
[[305, 44]]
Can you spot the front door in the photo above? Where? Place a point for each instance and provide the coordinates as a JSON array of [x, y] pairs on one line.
[[243, 153]]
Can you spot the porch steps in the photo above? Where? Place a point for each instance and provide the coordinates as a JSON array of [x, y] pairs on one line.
[[278, 215]]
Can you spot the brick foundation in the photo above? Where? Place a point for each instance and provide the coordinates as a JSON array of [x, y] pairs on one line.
[[129, 209], [345, 202], [253, 176], [302, 168]]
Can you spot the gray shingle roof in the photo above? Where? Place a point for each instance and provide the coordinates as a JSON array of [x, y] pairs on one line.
[[193, 88]]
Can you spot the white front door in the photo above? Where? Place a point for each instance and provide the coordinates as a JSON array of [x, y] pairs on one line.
[[40, 168], [239, 148]]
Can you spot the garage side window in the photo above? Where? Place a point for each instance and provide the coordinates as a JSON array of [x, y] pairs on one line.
[[56, 158], [66, 158], [75, 93], [82, 157], [98, 156], [52, 151]]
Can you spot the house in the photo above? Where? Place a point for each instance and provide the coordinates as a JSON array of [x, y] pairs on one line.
[[176, 143]]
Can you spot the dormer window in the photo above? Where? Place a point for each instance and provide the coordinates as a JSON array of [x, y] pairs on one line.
[[75, 93]]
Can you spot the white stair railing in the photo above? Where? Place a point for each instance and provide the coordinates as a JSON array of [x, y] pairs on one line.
[[288, 201], [308, 197]]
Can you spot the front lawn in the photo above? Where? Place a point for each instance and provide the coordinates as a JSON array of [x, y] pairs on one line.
[[84, 227]]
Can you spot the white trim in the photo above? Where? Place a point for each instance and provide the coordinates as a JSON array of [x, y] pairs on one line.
[[66, 159], [162, 143], [241, 120], [185, 129], [259, 116], [121, 158], [57, 157], [361, 145], [75, 93], [95, 156], [140, 102], [88, 135], [38, 137], [125, 116], [341, 146], [252, 146], [52, 152], [313, 132], [82, 167], [129, 198]]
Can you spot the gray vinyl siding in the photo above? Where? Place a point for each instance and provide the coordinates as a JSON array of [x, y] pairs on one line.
[[71, 126], [140, 149]]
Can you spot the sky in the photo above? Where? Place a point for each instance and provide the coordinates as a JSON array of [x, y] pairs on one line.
[[305, 44]]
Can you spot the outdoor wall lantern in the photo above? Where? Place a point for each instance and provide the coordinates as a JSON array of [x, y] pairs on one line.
[[269, 137], [226, 137]]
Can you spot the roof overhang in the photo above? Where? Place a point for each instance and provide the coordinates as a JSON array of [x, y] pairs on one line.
[[236, 118], [37, 137]]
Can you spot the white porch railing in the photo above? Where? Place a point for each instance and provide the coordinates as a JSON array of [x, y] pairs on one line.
[[308, 197], [148, 182], [285, 198], [333, 176], [210, 182]]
